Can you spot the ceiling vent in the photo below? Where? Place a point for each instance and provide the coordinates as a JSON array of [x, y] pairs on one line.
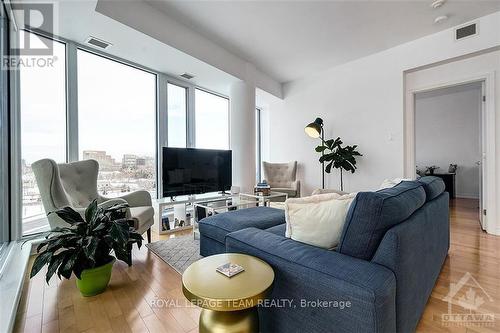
[[98, 42], [187, 76], [466, 31]]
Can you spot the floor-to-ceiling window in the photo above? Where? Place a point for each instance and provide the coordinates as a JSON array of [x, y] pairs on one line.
[[212, 120], [4, 133], [177, 115], [43, 126], [116, 123], [106, 109]]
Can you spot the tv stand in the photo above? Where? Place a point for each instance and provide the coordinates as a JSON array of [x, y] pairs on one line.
[[168, 202]]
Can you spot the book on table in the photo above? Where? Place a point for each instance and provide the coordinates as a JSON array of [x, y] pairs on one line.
[[230, 269]]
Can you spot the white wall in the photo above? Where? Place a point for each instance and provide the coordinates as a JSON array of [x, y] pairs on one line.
[[447, 130], [363, 102]]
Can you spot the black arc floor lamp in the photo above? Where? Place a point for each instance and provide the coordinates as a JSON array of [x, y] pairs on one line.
[[315, 130]]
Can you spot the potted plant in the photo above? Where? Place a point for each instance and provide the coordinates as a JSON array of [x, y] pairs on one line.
[[89, 247], [338, 157]]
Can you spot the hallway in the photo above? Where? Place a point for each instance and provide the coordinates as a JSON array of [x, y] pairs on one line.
[[471, 251]]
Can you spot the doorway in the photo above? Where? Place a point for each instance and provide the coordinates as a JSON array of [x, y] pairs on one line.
[[449, 140]]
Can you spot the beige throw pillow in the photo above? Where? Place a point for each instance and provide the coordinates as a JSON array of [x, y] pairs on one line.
[[388, 183], [317, 220]]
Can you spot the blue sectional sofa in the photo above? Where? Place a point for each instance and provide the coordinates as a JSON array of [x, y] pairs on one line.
[[380, 277]]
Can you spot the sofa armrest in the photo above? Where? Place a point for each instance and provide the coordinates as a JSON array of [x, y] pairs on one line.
[[111, 202], [105, 204], [135, 199], [306, 273]]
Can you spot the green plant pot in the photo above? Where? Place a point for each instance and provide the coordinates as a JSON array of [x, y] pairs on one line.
[[95, 280]]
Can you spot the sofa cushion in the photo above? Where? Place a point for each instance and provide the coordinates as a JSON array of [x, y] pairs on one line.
[[433, 186], [278, 230], [373, 213], [218, 226]]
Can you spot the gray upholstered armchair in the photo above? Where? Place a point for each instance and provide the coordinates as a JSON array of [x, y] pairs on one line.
[[282, 177], [75, 185]]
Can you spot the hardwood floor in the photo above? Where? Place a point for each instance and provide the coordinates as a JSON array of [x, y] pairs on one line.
[[130, 304], [475, 252]]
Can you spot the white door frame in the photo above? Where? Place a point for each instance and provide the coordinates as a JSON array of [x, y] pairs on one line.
[[489, 134]]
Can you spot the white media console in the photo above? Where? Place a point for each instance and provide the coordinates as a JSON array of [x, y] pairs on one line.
[[165, 208]]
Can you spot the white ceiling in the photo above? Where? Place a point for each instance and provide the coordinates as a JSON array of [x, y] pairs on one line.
[[290, 39], [77, 20]]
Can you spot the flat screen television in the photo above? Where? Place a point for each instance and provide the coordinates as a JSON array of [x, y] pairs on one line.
[[189, 171]]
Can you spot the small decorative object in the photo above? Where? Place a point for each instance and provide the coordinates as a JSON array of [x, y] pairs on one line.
[[88, 247], [230, 269], [235, 190], [262, 188], [179, 215], [165, 223], [188, 219], [430, 169], [452, 168], [178, 223]]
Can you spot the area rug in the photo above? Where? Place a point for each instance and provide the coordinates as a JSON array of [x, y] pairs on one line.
[[178, 252]]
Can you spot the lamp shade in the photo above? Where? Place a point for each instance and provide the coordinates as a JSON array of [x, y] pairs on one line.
[[314, 129]]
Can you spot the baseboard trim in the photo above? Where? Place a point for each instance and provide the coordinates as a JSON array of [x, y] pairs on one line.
[[467, 196]]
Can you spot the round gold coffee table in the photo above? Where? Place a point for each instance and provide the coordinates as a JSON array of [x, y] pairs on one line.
[[228, 304]]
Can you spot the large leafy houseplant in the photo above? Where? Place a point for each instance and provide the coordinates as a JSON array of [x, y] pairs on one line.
[[87, 244], [334, 155]]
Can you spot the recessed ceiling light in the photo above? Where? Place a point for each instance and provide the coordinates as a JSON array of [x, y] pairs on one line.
[[438, 3], [440, 19]]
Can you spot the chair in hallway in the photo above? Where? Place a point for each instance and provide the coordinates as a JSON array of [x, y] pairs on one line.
[[75, 185]]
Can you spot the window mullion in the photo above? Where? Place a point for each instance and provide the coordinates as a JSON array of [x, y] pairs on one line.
[[72, 153], [162, 127], [16, 229]]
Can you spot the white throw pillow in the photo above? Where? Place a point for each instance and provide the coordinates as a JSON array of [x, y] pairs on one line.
[[388, 183], [317, 220]]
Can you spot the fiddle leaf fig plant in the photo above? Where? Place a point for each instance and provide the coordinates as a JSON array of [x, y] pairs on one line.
[[336, 156], [89, 242]]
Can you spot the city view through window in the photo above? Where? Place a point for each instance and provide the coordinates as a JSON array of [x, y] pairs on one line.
[[43, 128], [116, 124]]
